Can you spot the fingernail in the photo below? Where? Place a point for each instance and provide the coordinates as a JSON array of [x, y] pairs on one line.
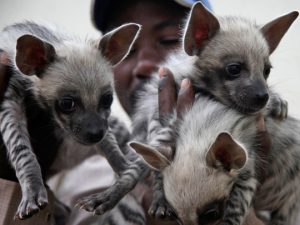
[[4, 58], [162, 71], [185, 83], [261, 123]]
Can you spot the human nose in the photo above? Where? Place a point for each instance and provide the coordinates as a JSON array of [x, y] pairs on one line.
[[147, 63]]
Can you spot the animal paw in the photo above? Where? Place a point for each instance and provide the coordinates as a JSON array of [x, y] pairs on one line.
[[98, 203], [278, 108], [32, 203], [160, 209]]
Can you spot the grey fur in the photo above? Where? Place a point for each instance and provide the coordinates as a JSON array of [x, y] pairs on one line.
[[236, 40], [232, 40], [190, 183], [78, 69]]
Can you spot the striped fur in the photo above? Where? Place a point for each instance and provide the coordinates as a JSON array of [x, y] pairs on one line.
[[233, 40], [127, 211], [33, 125], [191, 183], [205, 61], [17, 141]]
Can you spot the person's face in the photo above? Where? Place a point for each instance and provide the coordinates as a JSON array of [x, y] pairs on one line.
[[159, 35]]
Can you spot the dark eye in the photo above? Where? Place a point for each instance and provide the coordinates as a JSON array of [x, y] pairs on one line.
[[169, 42], [106, 100], [267, 71], [234, 70], [67, 104], [209, 216], [212, 214]]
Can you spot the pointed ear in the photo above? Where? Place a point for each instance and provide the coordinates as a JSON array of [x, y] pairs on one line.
[[275, 30], [154, 158], [33, 55], [225, 152], [201, 27], [116, 44]]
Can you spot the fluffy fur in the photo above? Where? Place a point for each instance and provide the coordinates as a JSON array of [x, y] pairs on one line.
[[58, 98], [226, 59], [206, 189]]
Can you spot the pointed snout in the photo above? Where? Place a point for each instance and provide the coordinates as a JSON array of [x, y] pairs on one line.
[[94, 128], [254, 97], [261, 97], [94, 133], [260, 93]]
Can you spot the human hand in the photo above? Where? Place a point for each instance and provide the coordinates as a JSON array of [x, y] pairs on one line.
[[5, 73], [169, 99], [172, 106]]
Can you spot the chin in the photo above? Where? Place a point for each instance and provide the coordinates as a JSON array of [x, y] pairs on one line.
[[246, 109], [86, 142]]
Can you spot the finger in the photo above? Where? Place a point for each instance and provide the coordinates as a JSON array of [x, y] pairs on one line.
[[186, 97], [5, 73], [4, 59], [260, 123], [263, 135], [167, 94], [263, 153], [264, 143]]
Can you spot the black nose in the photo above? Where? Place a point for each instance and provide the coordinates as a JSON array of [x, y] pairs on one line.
[[262, 98], [94, 133]]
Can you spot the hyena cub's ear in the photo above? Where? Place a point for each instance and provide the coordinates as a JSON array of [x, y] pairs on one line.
[[116, 44], [275, 30], [33, 55], [153, 157], [201, 27], [225, 153]]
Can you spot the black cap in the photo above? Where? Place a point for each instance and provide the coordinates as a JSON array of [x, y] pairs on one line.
[[100, 10]]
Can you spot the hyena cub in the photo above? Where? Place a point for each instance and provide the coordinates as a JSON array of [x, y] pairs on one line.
[[212, 177], [227, 59], [66, 104]]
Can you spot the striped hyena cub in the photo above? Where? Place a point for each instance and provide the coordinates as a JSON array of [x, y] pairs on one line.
[[211, 179], [226, 58], [58, 98]]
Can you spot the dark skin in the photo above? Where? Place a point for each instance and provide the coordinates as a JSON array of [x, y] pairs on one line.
[[160, 35], [168, 97]]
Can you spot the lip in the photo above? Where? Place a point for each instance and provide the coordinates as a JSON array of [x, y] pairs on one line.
[[246, 110]]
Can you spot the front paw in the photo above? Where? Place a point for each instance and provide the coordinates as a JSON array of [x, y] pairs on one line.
[[278, 108], [160, 209], [31, 203], [99, 203]]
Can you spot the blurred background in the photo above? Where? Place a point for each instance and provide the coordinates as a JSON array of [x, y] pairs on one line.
[[74, 16]]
